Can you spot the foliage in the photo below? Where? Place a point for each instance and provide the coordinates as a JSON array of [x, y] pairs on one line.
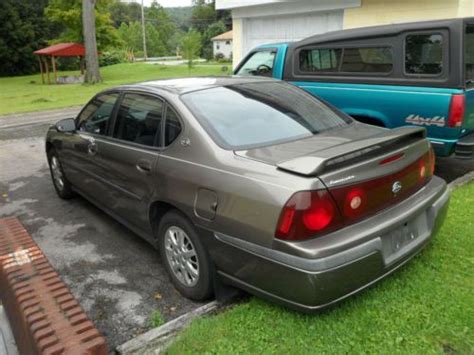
[[121, 12], [26, 93], [156, 319], [180, 16], [191, 46], [427, 307], [114, 56], [23, 29], [69, 14], [212, 31], [205, 19], [131, 36]]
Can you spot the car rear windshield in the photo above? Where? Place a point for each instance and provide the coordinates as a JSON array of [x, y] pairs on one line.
[[251, 115]]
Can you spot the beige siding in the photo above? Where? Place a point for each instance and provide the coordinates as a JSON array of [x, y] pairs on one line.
[[380, 12]]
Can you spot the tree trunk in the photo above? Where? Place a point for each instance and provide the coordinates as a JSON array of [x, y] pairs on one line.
[[88, 25]]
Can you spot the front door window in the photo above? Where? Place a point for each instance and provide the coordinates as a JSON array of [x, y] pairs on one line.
[[95, 118]]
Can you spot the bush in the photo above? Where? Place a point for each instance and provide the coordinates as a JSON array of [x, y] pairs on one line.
[[219, 57], [113, 57]]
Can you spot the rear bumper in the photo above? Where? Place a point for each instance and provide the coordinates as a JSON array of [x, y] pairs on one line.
[[465, 147], [374, 248]]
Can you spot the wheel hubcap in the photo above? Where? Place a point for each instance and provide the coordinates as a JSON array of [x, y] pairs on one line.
[[181, 256], [57, 173]]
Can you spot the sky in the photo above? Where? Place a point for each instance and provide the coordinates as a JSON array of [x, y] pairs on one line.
[[168, 3]]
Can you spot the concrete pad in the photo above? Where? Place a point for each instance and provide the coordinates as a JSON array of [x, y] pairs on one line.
[[7, 341]]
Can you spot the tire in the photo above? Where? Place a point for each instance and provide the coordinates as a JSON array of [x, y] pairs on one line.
[[179, 265], [61, 184]]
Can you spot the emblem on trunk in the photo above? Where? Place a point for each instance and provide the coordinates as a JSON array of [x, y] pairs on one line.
[[396, 187]]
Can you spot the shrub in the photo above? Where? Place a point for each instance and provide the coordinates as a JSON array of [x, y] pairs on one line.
[[113, 57]]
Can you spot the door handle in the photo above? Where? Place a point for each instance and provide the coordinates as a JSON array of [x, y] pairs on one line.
[[92, 148], [144, 166]]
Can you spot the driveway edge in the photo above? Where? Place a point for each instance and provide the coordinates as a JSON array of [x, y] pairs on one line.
[[158, 339], [463, 180]]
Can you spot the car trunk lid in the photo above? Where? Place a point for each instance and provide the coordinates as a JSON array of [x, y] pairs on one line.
[[365, 174]]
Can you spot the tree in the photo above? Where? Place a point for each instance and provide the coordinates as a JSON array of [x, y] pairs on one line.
[[191, 46], [92, 62], [23, 29], [68, 13]]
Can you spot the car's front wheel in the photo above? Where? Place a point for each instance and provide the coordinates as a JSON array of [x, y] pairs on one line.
[[60, 182], [184, 257]]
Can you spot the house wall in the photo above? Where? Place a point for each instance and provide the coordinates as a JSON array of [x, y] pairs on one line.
[[224, 48], [257, 22], [381, 12]]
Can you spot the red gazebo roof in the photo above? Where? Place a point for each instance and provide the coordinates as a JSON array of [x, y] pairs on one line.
[[63, 50]]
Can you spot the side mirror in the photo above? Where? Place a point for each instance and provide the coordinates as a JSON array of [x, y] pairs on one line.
[[68, 125]]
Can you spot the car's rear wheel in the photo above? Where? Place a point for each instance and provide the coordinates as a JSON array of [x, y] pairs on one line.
[[184, 257], [60, 182]]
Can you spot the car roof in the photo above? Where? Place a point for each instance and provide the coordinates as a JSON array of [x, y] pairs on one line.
[[185, 85]]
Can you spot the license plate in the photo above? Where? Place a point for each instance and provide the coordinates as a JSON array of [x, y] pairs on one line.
[[397, 242]]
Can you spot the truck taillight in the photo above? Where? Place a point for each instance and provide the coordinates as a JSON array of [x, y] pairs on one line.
[[307, 214], [456, 110]]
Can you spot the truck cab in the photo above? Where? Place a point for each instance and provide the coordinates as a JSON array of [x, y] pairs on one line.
[[419, 74]]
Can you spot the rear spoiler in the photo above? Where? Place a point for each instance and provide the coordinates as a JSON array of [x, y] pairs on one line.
[[315, 163]]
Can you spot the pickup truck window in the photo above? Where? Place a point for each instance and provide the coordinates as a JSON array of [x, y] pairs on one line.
[[354, 60], [252, 115], [469, 52], [424, 54], [259, 63], [367, 60], [319, 60]]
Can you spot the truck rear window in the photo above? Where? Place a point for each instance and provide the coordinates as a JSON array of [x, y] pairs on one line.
[[469, 52]]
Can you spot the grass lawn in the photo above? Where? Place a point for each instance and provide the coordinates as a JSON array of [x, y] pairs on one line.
[[426, 307], [26, 93]]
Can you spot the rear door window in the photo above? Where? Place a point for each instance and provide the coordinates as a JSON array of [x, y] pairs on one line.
[[172, 126], [367, 60], [469, 52], [424, 54], [319, 60], [259, 63], [139, 119]]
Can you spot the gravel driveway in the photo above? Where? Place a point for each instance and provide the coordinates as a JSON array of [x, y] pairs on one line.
[[116, 276]]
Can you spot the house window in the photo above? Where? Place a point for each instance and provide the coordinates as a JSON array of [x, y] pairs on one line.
[[218, 46], [227, 42], [424, 54]]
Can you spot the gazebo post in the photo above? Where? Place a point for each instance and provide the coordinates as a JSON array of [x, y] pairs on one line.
[[53, 63], [47, 70], [41, 69], [81, 64]]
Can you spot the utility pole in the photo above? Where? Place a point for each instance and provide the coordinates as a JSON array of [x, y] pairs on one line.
[[145, 56]]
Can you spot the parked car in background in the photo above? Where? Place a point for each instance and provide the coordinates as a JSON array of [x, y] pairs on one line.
[[254, 182], [418, 74]]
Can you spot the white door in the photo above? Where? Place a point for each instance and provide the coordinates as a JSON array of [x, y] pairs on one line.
[[262, 30]]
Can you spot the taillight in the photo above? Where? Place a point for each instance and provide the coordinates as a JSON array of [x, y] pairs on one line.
[[307, 214], [456, 110], [432, 161]]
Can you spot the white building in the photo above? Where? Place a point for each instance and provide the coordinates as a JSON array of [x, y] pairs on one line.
[[257, 22], [223, 44]]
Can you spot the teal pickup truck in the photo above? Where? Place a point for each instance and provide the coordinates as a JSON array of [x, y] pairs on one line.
[[406, 74]]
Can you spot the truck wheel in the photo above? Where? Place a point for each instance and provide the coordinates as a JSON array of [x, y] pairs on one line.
[[60, 182], [184, 257]]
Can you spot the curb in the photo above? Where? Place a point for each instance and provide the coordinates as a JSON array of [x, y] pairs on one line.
[[463, 180], [158, 339]]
